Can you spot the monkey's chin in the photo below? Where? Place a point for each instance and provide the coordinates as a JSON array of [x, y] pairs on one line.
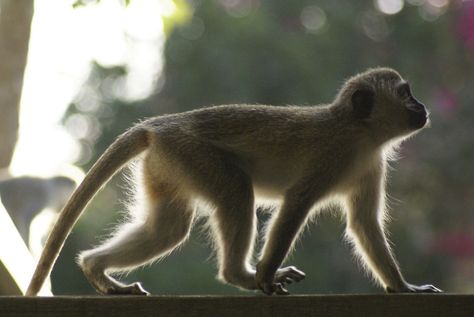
[[420, 121]]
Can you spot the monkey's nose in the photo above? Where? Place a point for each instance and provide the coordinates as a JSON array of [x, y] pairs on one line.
[[417, 107]]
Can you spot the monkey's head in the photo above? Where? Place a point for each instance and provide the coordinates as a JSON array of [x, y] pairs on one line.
[[381, 101]]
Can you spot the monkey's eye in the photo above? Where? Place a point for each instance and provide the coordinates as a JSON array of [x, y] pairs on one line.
[[404, 91]]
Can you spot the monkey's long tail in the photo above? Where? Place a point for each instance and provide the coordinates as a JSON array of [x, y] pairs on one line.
[[126, 147]]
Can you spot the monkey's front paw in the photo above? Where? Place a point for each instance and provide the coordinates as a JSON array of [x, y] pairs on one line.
[[276, 284], [409, 288], [273, 288], [288, 275]]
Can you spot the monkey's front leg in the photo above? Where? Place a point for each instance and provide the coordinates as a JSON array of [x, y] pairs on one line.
[[283, 231], [365, 224]]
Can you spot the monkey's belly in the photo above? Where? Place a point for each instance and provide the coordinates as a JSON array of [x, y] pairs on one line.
[[272, 182]]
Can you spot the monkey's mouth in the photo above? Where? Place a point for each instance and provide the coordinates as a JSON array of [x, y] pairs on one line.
[[419, 119]]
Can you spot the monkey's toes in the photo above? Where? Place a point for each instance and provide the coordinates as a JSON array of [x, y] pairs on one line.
[[132, 289], [289, 275]]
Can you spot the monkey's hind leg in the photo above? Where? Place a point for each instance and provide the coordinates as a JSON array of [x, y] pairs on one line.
[[234, 224], [166, 225]]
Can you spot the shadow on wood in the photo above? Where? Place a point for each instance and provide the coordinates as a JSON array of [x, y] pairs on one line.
[[246, 306]]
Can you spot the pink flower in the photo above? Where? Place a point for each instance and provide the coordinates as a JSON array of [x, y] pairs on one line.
[[457, 243], [466, 25], [446, 100]]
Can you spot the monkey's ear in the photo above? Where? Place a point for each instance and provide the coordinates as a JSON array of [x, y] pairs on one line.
[[362, 102]]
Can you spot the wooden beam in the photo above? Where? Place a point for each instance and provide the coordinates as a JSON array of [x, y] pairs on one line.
[[242, 306]]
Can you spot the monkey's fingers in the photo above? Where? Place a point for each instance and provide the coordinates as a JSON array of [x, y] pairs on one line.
[[287, 280], [280, 290], [274, 288], [416, 289], [296, 274], [289, 274]]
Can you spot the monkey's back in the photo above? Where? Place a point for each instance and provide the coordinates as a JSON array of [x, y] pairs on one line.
[[260, 140]]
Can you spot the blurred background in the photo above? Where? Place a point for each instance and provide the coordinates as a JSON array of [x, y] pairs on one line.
[[86, 70]]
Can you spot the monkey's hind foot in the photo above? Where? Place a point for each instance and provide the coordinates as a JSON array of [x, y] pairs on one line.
[[283, 276], [131, 289]]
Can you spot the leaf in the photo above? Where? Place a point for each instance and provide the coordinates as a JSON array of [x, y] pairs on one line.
[[78, 4], [82, 3]]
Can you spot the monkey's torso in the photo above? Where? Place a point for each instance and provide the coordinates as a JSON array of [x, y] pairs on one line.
[[260, 141]]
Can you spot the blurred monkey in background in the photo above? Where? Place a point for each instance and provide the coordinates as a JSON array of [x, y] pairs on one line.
[[25, 197]]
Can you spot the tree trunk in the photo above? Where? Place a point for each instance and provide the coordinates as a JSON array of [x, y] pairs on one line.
[[15, 24]]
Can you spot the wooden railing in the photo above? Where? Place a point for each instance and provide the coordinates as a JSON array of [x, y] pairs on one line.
[[242, 306]]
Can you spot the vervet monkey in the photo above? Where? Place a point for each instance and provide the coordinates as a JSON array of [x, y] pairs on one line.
[[228, 156], [25, 197]]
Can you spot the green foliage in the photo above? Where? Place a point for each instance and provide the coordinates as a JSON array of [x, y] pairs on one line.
[[81, 3]]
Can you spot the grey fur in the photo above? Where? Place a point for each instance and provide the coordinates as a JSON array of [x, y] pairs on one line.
[[228, 156]]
